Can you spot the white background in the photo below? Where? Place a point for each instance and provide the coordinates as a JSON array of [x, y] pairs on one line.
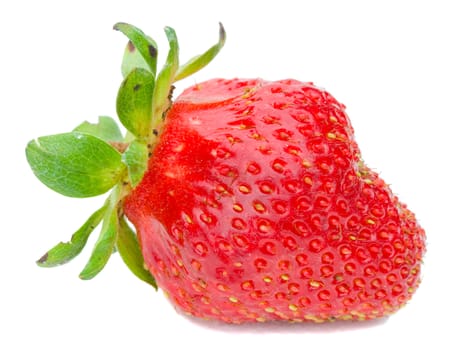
[[394, 65]]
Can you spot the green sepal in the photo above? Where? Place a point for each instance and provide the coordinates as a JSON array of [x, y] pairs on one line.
[[198, 62], [140, 52], [134, 102], [95, 157], [165, 77], [64, 252], [106, 242], [136, 159], [132, 59], [106, 129], [75, 164], [130, 252]]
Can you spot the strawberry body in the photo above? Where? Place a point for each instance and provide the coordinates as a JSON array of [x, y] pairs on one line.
[[256, 206]]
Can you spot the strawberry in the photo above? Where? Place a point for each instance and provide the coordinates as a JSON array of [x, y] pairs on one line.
[[249, 198]]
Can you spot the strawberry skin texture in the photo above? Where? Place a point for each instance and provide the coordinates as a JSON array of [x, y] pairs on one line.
[[256, 206]]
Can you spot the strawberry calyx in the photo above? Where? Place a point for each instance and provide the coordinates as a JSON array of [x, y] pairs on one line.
[[93, 159]]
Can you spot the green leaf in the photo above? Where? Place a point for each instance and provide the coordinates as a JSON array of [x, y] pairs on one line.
[[75, 164], [132, 59], [166, 77], [130, 252], [106, 129], [136, 159], [105, 244], [140, 45], [134, 102], [64, 252], [172, 56], [198, 62]]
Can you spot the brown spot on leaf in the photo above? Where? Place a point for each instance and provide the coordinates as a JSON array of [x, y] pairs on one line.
[[119, 146], [152, 51], [43, 259], [137, 87], [130, 46], [222, 32]]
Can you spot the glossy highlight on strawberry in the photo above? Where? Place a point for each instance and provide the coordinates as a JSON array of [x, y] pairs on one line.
[[250, 198]]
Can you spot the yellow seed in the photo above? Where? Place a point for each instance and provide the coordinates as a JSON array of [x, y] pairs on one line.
[[215, 311], [308, 180], [222, 287], [269, 309], [205, 300], [179, 148], [338, 277], [306, 163], [331, 136], [237, 207], [332, 119], [221, 189], [248, 92], [187, 218], [196, 265], [346, 317], [206, 218], [356, 313], [313, 318], [284, 277], [314, 284], [281, 315], [259, 207], [267, 279], [233, 299], [292, 307]]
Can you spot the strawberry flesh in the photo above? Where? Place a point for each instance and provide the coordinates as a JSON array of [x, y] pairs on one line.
[[256, 206]]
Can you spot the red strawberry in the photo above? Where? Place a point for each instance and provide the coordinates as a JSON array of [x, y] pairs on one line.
[[251, 201], [256, 206]]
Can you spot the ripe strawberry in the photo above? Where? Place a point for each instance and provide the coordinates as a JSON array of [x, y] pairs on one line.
[[250, 198], [256, 206]]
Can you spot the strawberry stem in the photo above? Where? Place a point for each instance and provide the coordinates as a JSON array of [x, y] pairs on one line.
[[161, 94]]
